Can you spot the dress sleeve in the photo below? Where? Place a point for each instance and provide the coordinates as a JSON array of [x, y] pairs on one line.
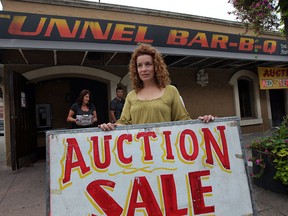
[[178, 110], [74, 108], [125, 118], [92, 107]]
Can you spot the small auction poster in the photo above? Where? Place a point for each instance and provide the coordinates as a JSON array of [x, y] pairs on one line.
[[273, 78]]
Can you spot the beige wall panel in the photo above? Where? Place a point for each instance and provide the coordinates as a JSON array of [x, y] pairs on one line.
[[215, 99]]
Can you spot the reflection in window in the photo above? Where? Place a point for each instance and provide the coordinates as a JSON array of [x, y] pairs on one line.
[[246, 97]]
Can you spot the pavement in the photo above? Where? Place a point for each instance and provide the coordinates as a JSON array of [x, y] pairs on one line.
[[2, 148], [266, 203], [23, 192]]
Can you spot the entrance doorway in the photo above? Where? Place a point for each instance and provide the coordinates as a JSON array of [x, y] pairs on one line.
[[59, 95], [277, 103]]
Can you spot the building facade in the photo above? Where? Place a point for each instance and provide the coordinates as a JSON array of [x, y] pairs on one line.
[[50, 50]]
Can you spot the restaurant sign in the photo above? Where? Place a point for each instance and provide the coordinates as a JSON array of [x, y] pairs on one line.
[[273, 78], [175, 168], [15, 26]]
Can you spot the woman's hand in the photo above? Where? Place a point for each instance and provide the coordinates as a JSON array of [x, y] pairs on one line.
[[206, 118], [94, 120], [107, 126], [77, 122]]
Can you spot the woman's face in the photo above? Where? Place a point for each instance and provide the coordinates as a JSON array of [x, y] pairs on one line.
[[86, 99], [145, 68]]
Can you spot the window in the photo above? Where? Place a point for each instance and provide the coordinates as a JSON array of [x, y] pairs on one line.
[[246, 97]]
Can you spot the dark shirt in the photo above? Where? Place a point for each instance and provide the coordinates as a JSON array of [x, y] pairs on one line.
[[84, 117], [116, 105]]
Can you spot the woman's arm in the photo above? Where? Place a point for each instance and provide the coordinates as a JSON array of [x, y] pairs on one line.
[[178, 110], [70, 116], [94, 119]]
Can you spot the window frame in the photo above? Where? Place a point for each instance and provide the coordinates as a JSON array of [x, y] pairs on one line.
[[234, 82]]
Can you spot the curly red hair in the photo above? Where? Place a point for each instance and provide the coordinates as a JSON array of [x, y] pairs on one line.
[[161, 73]]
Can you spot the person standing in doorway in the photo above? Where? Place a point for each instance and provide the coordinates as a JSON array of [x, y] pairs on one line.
[[82, 113], [116, 105]]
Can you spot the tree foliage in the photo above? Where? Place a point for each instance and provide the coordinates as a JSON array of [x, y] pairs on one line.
[[262, 15]]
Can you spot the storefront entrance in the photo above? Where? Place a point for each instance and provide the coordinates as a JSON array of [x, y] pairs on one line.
[[52, 100], [55, 98], [22, 120], [277, 103]]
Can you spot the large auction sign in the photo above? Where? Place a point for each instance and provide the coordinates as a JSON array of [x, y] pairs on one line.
[[177, 168]]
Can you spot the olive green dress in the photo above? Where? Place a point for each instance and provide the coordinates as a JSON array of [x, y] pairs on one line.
[[164, 109]]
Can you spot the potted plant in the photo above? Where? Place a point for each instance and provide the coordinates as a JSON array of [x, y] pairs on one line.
[[270, 160]]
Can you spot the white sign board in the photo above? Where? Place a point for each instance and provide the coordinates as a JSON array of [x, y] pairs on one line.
[[177, 168]]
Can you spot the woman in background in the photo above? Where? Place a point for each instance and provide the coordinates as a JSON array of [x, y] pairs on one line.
[[152, 99], [82, 113]]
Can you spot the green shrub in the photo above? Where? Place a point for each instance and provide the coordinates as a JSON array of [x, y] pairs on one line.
[[275, 148]]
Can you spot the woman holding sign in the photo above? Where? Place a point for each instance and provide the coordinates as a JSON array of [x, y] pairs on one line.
[[152, 99], [82, 113]]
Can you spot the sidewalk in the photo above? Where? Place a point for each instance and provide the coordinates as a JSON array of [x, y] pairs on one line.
[[23, 192], [267, 203]]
